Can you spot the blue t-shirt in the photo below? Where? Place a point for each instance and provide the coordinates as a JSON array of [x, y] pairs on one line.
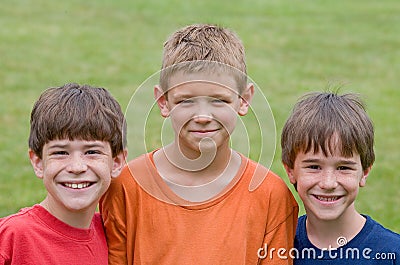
[[373, 245]]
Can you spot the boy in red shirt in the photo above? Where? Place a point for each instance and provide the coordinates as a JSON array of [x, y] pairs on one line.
[[75, 146]]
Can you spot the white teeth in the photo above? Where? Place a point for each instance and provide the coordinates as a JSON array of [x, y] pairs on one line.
[[77, 185], [327, 199]]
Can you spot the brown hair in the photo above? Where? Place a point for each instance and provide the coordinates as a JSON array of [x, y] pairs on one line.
[[320, 117], [202, 43], [79, 112]]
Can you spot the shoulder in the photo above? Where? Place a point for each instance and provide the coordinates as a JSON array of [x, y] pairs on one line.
[[16, 226], [382, 235], [301, 223], [97, 221], [126, 185], [268, 192], [15, 221], [127, 178], [301, 239], [264, 180], [97, 224], [378, 241]]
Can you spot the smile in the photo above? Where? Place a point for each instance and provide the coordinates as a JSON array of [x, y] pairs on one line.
[[204, 131], [77, 185], [327, 198]]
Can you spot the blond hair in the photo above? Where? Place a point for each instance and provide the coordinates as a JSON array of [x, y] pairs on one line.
[[201, 44]]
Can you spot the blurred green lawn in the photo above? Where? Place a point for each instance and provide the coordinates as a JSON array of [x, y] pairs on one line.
[[293, 47]]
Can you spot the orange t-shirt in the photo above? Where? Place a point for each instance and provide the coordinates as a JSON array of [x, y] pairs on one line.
[[147, 223]]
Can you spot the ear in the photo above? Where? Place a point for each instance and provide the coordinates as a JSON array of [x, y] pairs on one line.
[[289, 172], [118, 163], [363, 179], [162, 101], [37, 163], [245, 99]]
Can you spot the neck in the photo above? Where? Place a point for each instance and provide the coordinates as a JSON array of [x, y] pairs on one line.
[[332, 233], [78, 219], [189, 169]]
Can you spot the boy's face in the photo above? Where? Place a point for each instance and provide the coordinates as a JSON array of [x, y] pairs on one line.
[[75, 173], [202, 110], [327, 185]]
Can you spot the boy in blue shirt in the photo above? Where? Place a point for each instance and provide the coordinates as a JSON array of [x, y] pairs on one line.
[[327, 151]]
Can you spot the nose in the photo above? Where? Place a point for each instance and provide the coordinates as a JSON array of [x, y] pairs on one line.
[[328, 181], [203, 113], [202, 118], [76, 164]]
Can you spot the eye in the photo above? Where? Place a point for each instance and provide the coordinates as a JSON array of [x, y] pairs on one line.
[[185, 101], [313, 167], [93, 152], [218, 101], [344, 168], [59, 153]]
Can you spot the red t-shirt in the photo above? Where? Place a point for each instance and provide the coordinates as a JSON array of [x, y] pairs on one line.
[[34, 236]]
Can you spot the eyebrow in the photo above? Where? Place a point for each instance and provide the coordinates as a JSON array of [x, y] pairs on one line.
[[346, 162], [94, 146], [214, 95], [57, 146], [66, 145]]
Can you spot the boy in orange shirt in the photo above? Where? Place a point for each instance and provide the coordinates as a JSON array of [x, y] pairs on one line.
[[190, 202]]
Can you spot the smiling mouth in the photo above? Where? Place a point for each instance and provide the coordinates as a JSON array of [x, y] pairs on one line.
[[204, 131], [77, 186], [327, 198]]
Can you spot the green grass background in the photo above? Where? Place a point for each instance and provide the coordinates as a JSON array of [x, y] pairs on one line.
[[293, 47]]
